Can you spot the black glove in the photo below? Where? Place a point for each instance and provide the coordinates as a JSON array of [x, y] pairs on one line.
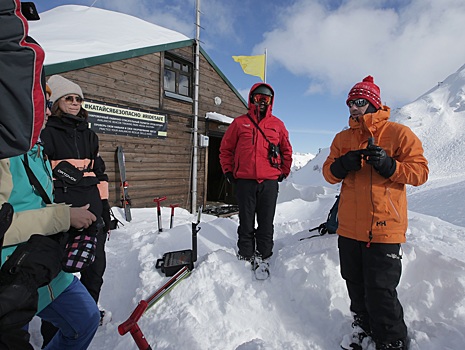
[[281, 178], [351, 161], [378, 159], [229, 176], [106, 215], [32, 265]]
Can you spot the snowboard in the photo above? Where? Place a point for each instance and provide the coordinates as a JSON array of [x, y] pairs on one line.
[[125, 199]]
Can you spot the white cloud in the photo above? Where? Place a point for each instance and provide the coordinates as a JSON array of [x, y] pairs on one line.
[[406, 49]]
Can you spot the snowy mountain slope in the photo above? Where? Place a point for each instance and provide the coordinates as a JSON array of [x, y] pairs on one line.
[[438, 119], [299, 160]]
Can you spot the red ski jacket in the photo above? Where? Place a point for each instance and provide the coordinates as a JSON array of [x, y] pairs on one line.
[[244, 151]]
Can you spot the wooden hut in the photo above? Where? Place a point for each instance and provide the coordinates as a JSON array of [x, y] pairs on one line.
[[142, 99]]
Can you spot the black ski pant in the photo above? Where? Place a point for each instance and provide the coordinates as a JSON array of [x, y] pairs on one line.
[[91, 278], [260, 199], [372, 275]]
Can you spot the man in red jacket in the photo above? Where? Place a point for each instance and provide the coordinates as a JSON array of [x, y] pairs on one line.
[[256, 154]]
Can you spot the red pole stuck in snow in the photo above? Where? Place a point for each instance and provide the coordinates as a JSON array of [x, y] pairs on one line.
[[158, 200], [172, 213]]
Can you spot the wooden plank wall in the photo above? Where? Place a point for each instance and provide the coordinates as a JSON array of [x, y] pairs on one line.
[[155, 167]]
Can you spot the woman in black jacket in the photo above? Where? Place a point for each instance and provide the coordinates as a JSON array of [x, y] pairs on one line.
[[78, 170]]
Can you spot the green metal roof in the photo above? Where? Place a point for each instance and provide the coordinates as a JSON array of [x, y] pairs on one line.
[[58, 68]]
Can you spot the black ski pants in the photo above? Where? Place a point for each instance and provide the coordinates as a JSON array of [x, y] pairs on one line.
[[260, 199], [92, 277], [372, 275]]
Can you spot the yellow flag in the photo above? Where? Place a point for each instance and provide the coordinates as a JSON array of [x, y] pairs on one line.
[[253, 65]]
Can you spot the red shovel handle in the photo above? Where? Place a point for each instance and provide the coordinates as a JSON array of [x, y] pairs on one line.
[[172, 206], [139, 338], [127, 325], [158, 200]]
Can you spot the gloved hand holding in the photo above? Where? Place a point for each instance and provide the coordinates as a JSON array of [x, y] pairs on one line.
[[32, 265], [230, 177], [351, 161], [376, 156]]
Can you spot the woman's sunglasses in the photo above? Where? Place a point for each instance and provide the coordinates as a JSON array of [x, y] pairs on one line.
[[70, 99]]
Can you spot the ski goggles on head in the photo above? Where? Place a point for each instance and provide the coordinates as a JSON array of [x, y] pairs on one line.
[[258, 98], [70, 99], [360, 102]]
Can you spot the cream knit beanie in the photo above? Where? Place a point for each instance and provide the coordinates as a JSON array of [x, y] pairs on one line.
[[61, 86]]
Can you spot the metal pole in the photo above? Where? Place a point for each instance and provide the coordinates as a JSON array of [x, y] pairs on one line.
[[265, 65], [196, 107]]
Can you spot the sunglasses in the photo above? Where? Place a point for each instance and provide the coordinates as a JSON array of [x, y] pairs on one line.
[[258, 98], [70, 99], [49, 104], [360, 102]]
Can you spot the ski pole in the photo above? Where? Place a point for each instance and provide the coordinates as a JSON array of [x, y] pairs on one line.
[[158, 200], [130, 325], [172, 213]]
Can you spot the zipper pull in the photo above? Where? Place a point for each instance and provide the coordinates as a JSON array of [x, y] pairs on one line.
[[370, 236]]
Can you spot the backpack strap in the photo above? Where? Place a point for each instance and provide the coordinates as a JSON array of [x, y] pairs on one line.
[[34, 181]]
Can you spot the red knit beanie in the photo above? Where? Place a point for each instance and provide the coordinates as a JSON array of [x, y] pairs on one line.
[[368, 90]]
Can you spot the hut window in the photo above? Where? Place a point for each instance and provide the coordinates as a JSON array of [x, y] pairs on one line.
[[177, 76]]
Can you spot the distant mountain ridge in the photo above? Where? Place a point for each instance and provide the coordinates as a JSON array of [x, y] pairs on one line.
[[299, 160]]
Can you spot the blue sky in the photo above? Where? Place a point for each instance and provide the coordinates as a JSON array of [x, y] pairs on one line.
[[317, 50]]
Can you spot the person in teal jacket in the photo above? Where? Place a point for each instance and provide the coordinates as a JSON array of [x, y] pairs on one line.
[[64, 302]]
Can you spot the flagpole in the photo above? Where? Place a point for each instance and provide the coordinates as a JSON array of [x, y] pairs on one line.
[[264, 75]]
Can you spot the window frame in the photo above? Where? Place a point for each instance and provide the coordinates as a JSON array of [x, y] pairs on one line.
[[184, 69]]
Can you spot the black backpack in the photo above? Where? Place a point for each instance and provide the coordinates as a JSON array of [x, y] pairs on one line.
[[331, 223]]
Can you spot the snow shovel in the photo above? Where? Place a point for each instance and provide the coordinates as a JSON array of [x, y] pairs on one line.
[[158, 200], [172, 213]]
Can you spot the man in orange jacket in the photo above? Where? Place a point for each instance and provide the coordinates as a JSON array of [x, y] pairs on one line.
[[256, 154], [375, 159]]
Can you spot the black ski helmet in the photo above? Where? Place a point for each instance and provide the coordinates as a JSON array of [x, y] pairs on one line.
[[262, 89]]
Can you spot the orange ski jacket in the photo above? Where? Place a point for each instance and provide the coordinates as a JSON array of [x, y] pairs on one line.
[[373, 208]]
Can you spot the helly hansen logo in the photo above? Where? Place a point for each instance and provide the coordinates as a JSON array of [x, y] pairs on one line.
[[381, 223]]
